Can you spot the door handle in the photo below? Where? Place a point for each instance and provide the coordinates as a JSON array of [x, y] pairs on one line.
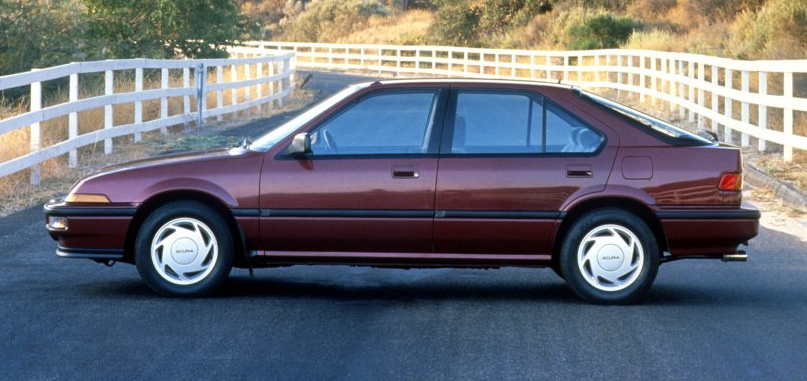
[[579, 171], [405, 172]]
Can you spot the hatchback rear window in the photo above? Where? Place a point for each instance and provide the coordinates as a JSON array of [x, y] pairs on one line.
[[656, 126]]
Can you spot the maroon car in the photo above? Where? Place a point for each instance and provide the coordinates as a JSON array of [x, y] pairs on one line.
[[425, 173]]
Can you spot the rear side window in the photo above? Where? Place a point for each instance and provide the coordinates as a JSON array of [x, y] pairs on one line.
[[502, 123], [565, 133]]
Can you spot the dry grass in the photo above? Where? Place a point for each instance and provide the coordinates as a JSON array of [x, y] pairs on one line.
[[17, 193], [794, 172], [409, 28]]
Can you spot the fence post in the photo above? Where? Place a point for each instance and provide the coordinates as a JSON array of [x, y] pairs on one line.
[[762, 117], [745, 109], [200, 77], [138, 108], [281, 83], [701, 80], [220, 92], [579, 70], [653, 87], [619, 76], [681, 96], [186, 100], [642, 84], [271, 85], [715, 101], [247, 89], [671, 83], [109, 117], [164, 100], [259, 86], [548, 71], [36, 143], [234, 91], [788, 109], [565, 69], [630, 75], [72, 121], [691, 91], [728, 105], [663, 79]]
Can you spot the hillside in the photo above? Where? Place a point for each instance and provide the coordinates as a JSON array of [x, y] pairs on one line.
[[748, 29]]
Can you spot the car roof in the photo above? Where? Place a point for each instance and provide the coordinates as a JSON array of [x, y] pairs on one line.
[[449, 81]]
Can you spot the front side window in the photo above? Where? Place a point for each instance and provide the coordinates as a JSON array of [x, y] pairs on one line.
[[379, 124], [516, 123]]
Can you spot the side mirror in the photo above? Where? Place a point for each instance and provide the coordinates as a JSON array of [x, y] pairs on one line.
[[300, 145]]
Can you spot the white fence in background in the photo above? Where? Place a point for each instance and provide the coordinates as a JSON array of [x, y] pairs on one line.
[[702, 89], [261, 68]]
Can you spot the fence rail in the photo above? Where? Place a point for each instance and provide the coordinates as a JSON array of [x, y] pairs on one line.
[[261, 68], [703, 89]]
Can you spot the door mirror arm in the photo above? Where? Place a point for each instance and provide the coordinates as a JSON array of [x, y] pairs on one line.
[[300, 145]]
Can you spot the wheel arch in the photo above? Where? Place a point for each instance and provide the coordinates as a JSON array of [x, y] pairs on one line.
[[633, 206], [164, 198]]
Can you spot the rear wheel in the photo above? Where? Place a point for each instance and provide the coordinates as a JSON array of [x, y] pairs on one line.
[[184, 249], [609, 256]]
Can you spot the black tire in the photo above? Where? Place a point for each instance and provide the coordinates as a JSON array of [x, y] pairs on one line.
[[608, 234], [185, 225]]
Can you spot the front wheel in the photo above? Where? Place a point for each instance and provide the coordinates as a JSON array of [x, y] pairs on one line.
[[184, 249], [609, 256]]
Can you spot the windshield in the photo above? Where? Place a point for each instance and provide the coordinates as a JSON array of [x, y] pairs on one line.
[[657, 125], [271, 138]]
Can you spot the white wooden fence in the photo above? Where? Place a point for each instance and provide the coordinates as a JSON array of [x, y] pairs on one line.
[[261, 68], [703, 89]]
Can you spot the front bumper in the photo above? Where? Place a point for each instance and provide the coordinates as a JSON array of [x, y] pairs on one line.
[[708, 232], [93, 232]]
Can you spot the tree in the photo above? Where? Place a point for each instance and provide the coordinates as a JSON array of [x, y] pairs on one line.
[[164, 28], [38, 33]]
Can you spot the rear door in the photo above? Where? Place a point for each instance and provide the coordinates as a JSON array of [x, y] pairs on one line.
[[509, 160]]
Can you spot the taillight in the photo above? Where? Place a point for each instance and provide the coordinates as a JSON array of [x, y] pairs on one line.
[[731, 182]]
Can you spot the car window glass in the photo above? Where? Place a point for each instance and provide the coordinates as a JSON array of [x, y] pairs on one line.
[[494, 123], [387, 123], [566, 133]]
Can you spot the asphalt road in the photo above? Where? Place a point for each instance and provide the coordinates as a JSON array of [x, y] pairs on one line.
[[702, 320]]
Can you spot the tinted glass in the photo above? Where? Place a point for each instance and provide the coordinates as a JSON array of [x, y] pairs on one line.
[[566, 133], [495, 123], [387, 123]]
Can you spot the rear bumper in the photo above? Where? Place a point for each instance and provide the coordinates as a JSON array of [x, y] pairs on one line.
[[96, 232], [703, 232]]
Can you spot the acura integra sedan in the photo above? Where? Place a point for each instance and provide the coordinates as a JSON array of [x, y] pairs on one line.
[[425, 173]]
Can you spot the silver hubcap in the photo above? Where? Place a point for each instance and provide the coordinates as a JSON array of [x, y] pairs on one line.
[[610, 257], [184, 251]]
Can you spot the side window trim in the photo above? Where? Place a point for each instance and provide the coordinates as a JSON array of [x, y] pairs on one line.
[[434, 136], [450, 117]]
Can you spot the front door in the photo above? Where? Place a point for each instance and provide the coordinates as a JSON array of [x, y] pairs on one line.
[[368, 185]]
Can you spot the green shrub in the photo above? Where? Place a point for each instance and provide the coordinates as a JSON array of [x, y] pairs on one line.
[[601, 32], [457, 23]]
